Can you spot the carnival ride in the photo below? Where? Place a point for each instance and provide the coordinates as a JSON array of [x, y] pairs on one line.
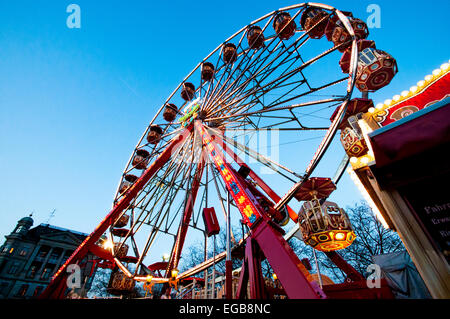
[[306, 57]]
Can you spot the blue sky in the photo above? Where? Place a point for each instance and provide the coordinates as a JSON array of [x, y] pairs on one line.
[[73, 102]]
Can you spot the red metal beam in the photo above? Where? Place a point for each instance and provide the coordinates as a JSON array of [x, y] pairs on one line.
[[228, 279], [184, 225], [351, 272], [56, 287], [289, 269], [274, 196], [337, 259], [160, 265], [234, 185], [254, 258], [285, 263], [101, 253], [241, 291]]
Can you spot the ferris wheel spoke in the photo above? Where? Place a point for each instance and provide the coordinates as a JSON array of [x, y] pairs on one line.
[[145, 191], [157, 190], [276, 82], [187, 214], [272, 109], [255, 66], [242, 115], [260, 158], [158, 219], [260, 52], [221, 86], [262, 70], [172, 184], [169, 166]]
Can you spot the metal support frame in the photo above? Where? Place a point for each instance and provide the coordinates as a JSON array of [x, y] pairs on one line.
[[280, 255], [351, 272], [57, 286], [271, 193], [251, 272]]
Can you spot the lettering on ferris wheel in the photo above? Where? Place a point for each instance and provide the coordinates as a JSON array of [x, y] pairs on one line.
[[236, 190]]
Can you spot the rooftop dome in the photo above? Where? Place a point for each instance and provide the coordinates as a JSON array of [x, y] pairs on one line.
[[27, 220]]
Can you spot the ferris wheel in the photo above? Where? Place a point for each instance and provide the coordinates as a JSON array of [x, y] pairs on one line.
[[293, 71]]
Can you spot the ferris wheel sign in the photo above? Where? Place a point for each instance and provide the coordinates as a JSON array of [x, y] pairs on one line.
[[235, 187]]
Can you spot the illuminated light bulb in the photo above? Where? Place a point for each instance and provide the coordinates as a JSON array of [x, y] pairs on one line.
[[445, 66], [149, 278], [428, 78], [437, 72], [108, 244], [420, 83], [387, 102], [371, 110], [379, 106], [274, 276], [413, 89], [340, 236], [365, 160], [165, 257], [367, 197], [397, 98], [353, 160], [174, 272], [405, 93]]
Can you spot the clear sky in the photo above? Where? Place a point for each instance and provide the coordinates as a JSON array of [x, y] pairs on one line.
[[73, 102]]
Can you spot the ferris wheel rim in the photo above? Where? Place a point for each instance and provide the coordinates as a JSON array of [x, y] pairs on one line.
[[350, 86], [352, 72]]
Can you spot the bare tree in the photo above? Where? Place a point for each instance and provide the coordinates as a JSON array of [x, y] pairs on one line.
[[100, 284], [371, 239]]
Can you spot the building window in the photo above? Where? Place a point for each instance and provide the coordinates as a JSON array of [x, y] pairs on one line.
[[43, 251], [8, 249], [37, 291], [46, 273], [67, 254], [3, 287], [14, 268], [33, 270], [20, 228], [56, 253], [22, 291]]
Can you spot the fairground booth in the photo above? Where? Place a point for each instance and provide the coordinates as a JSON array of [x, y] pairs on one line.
[[403, 171]]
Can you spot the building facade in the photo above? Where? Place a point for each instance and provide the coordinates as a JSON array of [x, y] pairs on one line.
[[30, 256]]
